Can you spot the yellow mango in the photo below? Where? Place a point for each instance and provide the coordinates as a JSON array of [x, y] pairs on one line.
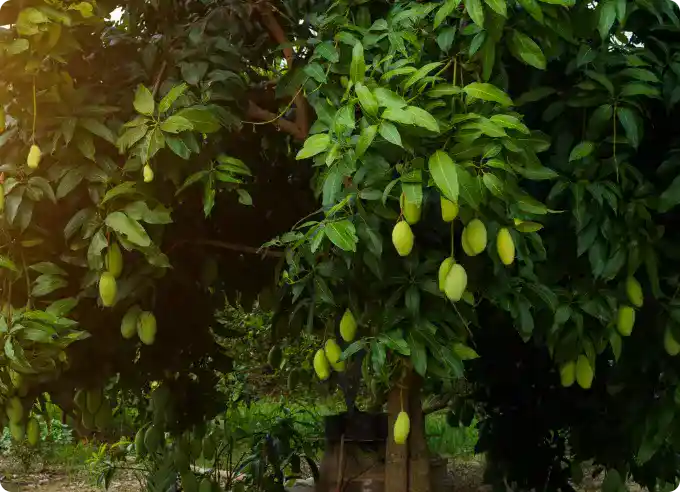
[[402, 427], [456, 282], [321, 366], [670, 344], [464, 243], [17, 431], [411, 211], [114, 260], [348, 326], [444, 270], [333, 353], [128, 326], [584, 373], [568, 373], [402, 238], [33, 432], [475, 235], [107, 289], [147, 172], [505, 246], [634, 291], [146, 327], [625, 320], [15, 410], [34, 156], [449, 209]]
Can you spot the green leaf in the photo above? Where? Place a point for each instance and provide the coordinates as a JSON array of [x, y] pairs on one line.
[[464, 352], [125, 188], [390, 133], [208, 195], [526, 50], [193, 73], [420, 74], [366, 98], [564, 3], [357, 68], [533, 8], [7, 263], [442, 90], [418, 352], [328, 51], [62, 307], [151, 144], [316, 72], [398, 115], [47, 268], [98, 128], [194, 178], [671, 196], [178, 146], [444, 11], [475, 11], [365, 139], [144, 103], [487, 92], [535, 95], [130, 137], [629, 121], [583, 149], [94, 251], [70, 180], [444, 173], [244, 197], [640, 89], [607, 10], [389, 99], [172, 96], [423, 119], [511, 122], [129, 228], [493, 184], [343, 234], [46, 284], [498, 6], [233, 165], [314, 145], [176, 124], [202, 119]]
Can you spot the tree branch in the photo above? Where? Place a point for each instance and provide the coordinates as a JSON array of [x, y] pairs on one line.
[[255, 112], [240, 248], [277, 33]]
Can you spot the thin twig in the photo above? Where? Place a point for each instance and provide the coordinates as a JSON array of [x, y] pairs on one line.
[[157, 83], [234, 247]]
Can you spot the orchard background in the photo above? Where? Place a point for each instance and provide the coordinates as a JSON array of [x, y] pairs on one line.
[[467, 203]]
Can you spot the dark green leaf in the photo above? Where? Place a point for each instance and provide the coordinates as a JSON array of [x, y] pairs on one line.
[[202, 119], [365, 139], [343, 234], [583, 149], [357, 67], [487, 92], [129, 228], [172, 96], [390, 133], [525, 49], [475, 11]]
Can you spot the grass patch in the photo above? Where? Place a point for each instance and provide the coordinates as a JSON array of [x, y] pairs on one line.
[[453, 442]]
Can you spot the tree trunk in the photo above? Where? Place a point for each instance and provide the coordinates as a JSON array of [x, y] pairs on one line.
[[419, 459], [396, 455]]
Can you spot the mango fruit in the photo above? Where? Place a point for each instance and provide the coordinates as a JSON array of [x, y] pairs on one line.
[[114, 260], [625, 320], [456, 282], [402, 238], [505, 246], [152, 439], [568, 373], [128, 325], [348, 326], [147, 172], [402, 427], [33, 431], [333, 353], [584, 373], [464, 243], [140, 448], [411, 211], [670, 344], [17, 431], [189, 482], [34, 156], [275, 357], [146, 327], [15, 410], [321, 365], [102, 418], [206, 485], [444, 270], [475, 235], [634, 291], [107, 289], [449, 209]]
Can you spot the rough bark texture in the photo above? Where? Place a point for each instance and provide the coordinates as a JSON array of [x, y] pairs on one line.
[[396, 456], [419, 459]]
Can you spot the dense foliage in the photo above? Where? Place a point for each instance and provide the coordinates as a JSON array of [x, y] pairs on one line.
[[145, 161]]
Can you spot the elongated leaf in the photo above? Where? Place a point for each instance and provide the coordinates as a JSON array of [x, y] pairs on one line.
[[475, 11], [46, 284], [607, 10], [202, 118], [98, 128], [390, 133], [357, 68], [365, 139], [498, 6], [129, 228], [487, 92], [420, 74], [629, 121], [314, 145], [176, 124], [444, 173], [172, 95], [343, 234], [423, 119], [144, 103], [583, 149], [444, 11], [366, 98], [526, 50]]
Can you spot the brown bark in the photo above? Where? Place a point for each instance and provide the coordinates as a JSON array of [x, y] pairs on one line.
[[396, 455], [419, 458]]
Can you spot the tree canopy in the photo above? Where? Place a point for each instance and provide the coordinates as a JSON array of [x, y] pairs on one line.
[[145, 162]]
